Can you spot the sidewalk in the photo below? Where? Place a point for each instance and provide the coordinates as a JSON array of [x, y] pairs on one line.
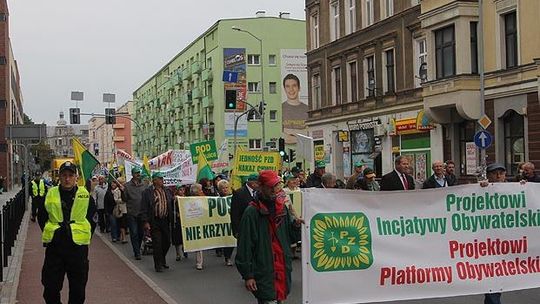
[[110, 279]]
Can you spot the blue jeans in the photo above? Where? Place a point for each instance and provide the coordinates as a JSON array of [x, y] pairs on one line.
[[114, 227], [492, 298], [135, 233]]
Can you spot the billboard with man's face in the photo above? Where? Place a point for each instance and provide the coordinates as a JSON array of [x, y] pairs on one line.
[[294, 90]]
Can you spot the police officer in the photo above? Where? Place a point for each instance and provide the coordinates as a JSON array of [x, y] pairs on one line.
[[68, 223], [38, 194]]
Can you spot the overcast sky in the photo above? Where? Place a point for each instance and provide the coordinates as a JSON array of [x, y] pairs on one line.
[[108, 46]]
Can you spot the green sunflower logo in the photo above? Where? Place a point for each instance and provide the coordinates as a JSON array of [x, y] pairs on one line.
[[340, 241]]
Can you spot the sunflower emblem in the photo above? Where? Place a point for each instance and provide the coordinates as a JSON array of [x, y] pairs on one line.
[[340, 241]]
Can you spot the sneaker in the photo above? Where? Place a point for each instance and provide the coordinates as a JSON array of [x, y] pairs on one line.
[[114, 240], [124, 242], [178, 258], [228, 262], [199, 267]]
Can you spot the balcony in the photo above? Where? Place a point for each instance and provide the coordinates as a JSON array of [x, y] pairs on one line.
[[196, 93], [196, 67], [188, 97], [197, 119], [207, 102], [177, 102], [186, 73], [207, 75]]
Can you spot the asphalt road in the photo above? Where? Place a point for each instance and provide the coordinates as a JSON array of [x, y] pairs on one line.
[[218, 283]]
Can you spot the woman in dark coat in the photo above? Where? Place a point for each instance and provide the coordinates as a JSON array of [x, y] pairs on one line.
[[176, 235]]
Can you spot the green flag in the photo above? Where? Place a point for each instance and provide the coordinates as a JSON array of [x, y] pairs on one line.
[[85, 160]]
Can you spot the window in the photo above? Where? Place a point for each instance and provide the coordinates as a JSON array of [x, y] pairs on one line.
[[350, 17], [474, 47], [352, 81], [254, 59], [314, 21], [389, 85], [420, 62], [253, 87], [273, 115], [334, 20], [336, 85], [316, 91], [271, 59], [388, 8], [368, 13], [510, 40], [255, 144], [445, 52], [514, 143], [272, 87], [370, 75]]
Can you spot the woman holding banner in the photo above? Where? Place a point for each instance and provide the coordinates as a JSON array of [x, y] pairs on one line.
[[197, 190], [224, 189], [176, 238]]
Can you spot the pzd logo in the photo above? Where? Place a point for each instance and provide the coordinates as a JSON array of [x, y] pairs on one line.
[[340, 241]]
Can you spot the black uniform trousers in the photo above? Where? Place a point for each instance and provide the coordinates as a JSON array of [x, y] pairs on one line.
[[161, 240], [37, 202], [61, 259]]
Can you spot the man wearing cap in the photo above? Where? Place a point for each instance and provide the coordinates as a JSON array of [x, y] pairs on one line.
[[157, 214], [356, 176], [399, 178], [368, 183], [438, 178], [263, 253], [314, 180], [38, 194], [241, 199], [67, 222], [132, 195]]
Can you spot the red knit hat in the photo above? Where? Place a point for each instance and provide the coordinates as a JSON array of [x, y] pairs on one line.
[[268, 178]]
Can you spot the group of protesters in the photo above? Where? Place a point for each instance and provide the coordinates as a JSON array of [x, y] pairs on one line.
[[262, 217]]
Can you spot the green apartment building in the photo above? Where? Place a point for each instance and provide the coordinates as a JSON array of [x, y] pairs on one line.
[[184, 102]]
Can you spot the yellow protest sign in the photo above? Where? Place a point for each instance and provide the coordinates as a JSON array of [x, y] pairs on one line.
[[248, 162], [319, 152], [206, 222]]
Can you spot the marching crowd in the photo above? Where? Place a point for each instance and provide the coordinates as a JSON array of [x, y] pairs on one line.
[[262, 217]]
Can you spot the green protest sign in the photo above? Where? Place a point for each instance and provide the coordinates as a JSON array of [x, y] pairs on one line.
[[207, 147]]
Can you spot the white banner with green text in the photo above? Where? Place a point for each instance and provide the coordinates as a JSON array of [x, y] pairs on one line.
[[365, 247]]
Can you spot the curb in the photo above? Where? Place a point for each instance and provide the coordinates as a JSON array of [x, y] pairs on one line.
[[8, 294], [161, 293]]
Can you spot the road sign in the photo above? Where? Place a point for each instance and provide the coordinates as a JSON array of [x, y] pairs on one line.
[[229, 76], [482, 139], [484, 121]]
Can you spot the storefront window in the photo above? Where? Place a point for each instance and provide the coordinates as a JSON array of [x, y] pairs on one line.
[[514, 143], [466, 134], [362, 149]]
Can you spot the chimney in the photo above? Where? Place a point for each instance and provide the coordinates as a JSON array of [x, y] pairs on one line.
[[260, 14], [284, 15]]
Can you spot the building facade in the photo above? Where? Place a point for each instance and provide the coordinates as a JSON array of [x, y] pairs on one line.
[[365, 69], [511, 64], [59, 136], [184, 102], [11, 103], [101, 140], [122, 128]]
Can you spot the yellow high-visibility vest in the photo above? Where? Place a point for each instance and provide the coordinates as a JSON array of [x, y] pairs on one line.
[[41, 188], [81, 230]]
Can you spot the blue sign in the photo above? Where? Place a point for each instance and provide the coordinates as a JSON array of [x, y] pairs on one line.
[[229, 76], [482, 139]]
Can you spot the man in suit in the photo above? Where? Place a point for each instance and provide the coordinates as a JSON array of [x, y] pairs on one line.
[[241, 199], [438, 179], [398, 179], [157, 214]]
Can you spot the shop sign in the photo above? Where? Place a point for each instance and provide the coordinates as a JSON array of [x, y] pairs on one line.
[[471, 158], [406, 126], [364, 125], [423, 123], [343, 136]]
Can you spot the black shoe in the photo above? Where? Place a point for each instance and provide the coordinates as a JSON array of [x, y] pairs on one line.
[[185, 255], [159, 269], [165, 266], [138, 257]]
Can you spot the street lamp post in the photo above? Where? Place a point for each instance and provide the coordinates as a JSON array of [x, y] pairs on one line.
[[236, 28]]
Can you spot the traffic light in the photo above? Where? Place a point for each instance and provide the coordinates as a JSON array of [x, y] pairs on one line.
[[281, 146], [74, 116], [110, 117], [262, 108], [292, 155], [230, 99]]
